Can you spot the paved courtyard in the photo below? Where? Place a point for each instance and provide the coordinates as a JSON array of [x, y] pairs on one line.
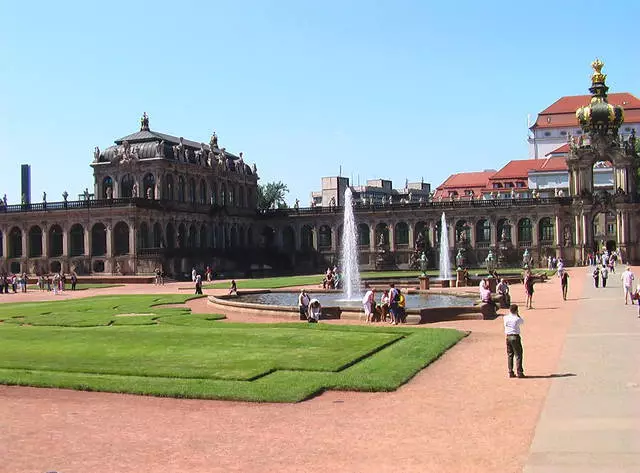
[[462, 414]]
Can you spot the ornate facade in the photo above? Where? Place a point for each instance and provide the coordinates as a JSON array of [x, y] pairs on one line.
[[163, 200]]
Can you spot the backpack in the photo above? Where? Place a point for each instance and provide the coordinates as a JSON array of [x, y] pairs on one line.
[[396, 296]]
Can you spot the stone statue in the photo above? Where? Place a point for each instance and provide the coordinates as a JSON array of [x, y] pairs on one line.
[[296, 205], [144, 122], [567, 235], [381, 240], [86, 192], [240, 165], [4, 200], [160, 149], [423, 263], [632, 139], [460, 258], [526, 258], [44, 197], [109, 193], [134, 190], [254, 169], [149, 193], [65, 194], [23, 199], [118, 268], [390, 200], [96, 154], [213, 142]]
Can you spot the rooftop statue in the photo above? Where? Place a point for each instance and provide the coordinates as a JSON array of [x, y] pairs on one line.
[[213, 142], [96, 154], [144, 122]]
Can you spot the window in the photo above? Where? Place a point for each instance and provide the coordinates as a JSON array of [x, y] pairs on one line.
[[497, 185], [627, 128], [610, 228], [520, 184], [509, 185], [547, 133], [468, 192], [563, 133], [546, 229]]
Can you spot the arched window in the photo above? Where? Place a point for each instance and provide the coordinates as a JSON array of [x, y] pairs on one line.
[[192, 190], [546, 228], [524, 230], [463, 231], [250, 236], [234, 236], [421, 229], [107, 183], [214, 194], [182, 236], [35, 242], [126, 186], [121, 239], [306, 238], [382, 234], [169, 187], [76, 240], [203, 191], [324, 237], [401, 234], [55, 241], [504, 230], [157, 235], [289, 239], [223, 195], [15, 243], [231, 196], [191, 241], [143, 235], [171, 236], [364, 237], [149, 185], [98, 240], [181, 189], [483, 231], [268, 236], [203, 236]]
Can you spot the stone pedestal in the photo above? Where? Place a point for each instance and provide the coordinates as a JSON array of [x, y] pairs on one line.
[[446, 283], [460, 280], [424, 283]]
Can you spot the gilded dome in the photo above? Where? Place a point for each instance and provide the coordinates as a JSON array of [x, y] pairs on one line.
[[600, 116]]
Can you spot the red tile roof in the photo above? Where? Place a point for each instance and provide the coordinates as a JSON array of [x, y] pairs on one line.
[[475, 181], [519, 168], [562, 113], [564, 149]]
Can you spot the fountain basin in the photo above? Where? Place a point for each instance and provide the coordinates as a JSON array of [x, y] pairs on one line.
[[421, 308]]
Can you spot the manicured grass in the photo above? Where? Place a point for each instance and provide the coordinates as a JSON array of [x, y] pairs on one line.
[[84, 344], [316, 279]]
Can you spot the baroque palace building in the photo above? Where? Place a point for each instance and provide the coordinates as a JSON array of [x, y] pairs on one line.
[[165, 201]]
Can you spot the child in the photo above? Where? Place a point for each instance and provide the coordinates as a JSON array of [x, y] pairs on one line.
[[234, 288]]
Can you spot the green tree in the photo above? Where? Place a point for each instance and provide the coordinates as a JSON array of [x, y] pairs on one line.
[[271, 195]]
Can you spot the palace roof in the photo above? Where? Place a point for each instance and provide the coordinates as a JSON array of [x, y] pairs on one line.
[[475, 181], [562, 113], [520, 168]]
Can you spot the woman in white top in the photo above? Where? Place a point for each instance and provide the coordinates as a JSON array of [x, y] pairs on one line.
[[315, 309]]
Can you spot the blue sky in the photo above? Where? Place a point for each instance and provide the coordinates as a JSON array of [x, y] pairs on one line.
[[392, 89]]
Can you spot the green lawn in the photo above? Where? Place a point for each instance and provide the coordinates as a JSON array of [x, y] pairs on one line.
[[316, 279], [167, 351]]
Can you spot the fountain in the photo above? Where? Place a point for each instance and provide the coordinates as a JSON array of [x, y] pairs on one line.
[[349, 251], [445, 261]]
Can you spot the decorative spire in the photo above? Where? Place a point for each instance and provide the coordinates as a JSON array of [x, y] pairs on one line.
[[599, 116], [144, 122], [598, 77]]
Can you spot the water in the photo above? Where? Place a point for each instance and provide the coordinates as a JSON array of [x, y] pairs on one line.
[[445, 260], [413, 301], [349, 251]]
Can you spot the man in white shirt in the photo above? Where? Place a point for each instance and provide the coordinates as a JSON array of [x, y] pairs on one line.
[[303, 304], [368, 302], [512, 322], [627, 282]]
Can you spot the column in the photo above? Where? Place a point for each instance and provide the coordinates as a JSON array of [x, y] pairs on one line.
[[585, 231], [577, 231], [25, 244], [298, 233], [392, 237], [109, 252], [411, 236], [87, 241], [132, 239], [334, 239], [472, 235], [493, 225], [556, 228], [451, 232], [372, 237], [157, 192], [431, 234], [314, 233], [514, 234], [45, 242], [5, 243], [65, 243], [534, 233]]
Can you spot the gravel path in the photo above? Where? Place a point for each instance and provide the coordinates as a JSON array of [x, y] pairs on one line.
[[461, 414]]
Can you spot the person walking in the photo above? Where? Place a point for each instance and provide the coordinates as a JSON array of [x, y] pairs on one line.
[[564, 283], [604, 274], [198, 284], [393, 303], [627, 282], [303, 304], [512, 322], [596, 276], [528, 287]]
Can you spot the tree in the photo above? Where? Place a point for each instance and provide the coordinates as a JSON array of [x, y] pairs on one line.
[[271, 195]]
